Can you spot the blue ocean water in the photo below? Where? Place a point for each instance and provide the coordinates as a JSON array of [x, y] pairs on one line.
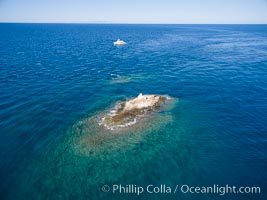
[[56, 78]]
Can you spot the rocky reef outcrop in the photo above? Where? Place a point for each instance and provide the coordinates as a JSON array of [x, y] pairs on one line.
[[127, 113]]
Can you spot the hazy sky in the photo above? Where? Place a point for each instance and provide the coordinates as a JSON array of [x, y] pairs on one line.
[[134, 11]]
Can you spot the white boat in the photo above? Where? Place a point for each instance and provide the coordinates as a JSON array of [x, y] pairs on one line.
[[119, 42]]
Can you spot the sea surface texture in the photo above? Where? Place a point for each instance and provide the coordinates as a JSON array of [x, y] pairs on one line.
[[57, 80]]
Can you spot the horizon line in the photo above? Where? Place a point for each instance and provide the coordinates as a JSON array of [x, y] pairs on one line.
[[125, 23]]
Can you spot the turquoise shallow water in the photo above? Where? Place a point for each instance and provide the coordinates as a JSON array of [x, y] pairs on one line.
[[56, 79]]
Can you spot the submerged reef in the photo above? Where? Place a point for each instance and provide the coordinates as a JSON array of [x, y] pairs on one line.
[[122, 126], [127, 113]]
